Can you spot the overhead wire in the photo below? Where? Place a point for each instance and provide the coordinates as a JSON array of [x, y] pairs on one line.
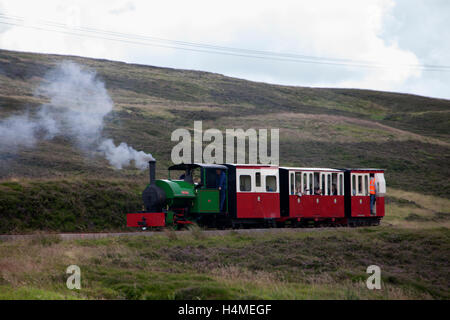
[[45, 25]]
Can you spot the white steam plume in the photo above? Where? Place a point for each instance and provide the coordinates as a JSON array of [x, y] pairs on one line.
[[17, 131], [78, 103], [121, 155]]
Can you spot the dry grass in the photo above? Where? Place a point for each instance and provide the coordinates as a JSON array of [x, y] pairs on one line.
[[329, 264], [433, 203], [415, 210], [325, 127]]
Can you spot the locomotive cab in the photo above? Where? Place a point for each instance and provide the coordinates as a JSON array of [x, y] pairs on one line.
[[203, 179]]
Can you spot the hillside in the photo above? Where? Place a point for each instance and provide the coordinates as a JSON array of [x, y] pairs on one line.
[[405, 134]]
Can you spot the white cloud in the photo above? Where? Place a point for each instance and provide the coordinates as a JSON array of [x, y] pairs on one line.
[[349, 29]]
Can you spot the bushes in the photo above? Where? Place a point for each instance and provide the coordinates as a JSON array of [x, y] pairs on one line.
[[66, 206]]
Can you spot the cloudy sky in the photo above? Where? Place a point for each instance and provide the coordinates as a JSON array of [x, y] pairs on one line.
[[393, 45]]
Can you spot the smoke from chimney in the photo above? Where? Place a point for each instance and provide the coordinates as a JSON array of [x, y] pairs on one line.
[[78, 104]]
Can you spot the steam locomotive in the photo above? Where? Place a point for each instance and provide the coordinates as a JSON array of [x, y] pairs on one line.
[[260, 196]]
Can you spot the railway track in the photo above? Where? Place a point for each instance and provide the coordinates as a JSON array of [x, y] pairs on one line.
[[75, 236]]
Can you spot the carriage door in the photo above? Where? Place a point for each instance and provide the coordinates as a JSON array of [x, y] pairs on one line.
[[296, 193], [271, 194], [292, 194], [259, 193], [327, 207], [321, 199], [360, 195], [317, 182], [307, 199]]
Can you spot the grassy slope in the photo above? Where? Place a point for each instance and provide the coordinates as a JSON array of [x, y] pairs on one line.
[[408, 135], [53, 187], [411, 248]]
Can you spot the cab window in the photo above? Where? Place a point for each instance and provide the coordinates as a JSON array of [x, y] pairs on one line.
[[209, 180]]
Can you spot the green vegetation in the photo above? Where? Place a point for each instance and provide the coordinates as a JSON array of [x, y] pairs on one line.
[[327, 264], [67, 205], [413, 256], [54, 187], [406, 134]]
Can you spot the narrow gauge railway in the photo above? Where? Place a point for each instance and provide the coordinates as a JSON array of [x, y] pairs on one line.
[[254, 196]]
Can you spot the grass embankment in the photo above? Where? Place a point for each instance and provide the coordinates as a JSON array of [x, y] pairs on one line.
[[412, 248], [325, 264], [67, 205]]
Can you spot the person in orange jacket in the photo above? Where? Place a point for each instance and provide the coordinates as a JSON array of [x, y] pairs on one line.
[[372, 192]]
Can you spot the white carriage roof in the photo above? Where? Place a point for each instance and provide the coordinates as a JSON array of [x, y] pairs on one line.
[[251, 165], [312, 169], [366, 169]]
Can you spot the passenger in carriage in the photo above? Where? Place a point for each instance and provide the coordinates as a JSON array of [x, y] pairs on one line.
[[334, 190], [317, 191]]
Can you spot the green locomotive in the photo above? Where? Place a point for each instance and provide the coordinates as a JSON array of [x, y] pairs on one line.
[[192, 198]]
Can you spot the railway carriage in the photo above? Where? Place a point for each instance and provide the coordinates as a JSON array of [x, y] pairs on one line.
[[253, 194], [300, 201], [260, 195], [358, 196]]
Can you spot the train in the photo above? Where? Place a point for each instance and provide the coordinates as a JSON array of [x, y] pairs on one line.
[[255, 196]]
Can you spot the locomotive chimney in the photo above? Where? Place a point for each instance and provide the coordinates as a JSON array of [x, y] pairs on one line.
[[152, 171]]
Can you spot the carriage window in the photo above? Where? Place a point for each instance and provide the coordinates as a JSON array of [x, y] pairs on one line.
[[353, 185], [271, 183], [360, 185], [298, 182], [245, 183], [334, 184], [341, 184], [305, 183], [258, 179], [329, 184], [322, 176], [366, 185], [292, 184], [316, 182], [311, 184]]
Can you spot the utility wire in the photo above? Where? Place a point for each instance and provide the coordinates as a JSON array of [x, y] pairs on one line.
[[45, 25]]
